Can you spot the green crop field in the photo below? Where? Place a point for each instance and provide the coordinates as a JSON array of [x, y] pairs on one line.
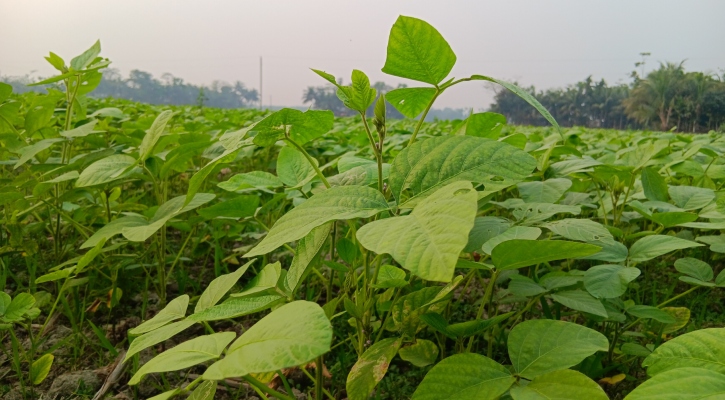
[[163, 252]]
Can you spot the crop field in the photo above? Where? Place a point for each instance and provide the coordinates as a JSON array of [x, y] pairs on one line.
[[158, 252]]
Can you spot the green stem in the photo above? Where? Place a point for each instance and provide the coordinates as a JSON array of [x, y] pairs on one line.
[[265, 389], [318, 378], [310, 160], [422, 117]]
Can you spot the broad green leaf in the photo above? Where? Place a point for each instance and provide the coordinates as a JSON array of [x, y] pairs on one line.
[[40, 368], [185, 355], [421, 353], [485, 228], [581, 301], [114, 228], [273, 127], [267, 278], [205, 391], [370, 368], [429, 240], [466, 376], [218, 288], [681, 315], [316, 123], [653, 246], [227, 156], [635, 349], [515, 254], [417, 51], [153, 134], [523, 286], [407, 310], [537, 347], [81, 131], [164, 213], [235, 307], [549, 191], [90, 255], [5, 91], [106, 170], [579, 229], [474, 327], [650, 312], [515, 232], [55, 275], [704, 348], [289, 336], [561, 385], [237, 207], [28, 152], [157, 336], [485, 125], [681, 384], [359, 96], [251, 180], [5, 301], [695, 268], [609, 281], [362, 175], [526, 96], [21, 303], [293, 168], [165, 395], [411, 102], [691, 197], [428, 164], [176, 309], [390, 277], [82, 61], [669, 219], [654, 185], [307, 249], [337, 203]]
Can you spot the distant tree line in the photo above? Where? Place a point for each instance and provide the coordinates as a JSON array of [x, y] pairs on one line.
[[666, 98]]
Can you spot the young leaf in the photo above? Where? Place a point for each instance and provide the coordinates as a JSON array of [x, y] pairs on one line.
[[370, 368], [421, 353], [428, 241], [290, 335], [466, 376], [40, 368], [82, 61], [176, 309], [411, 102], [185, 355], [537, 347], [218, 288], [654, 185], [342, 202], [515, 254], [428, 164], [704, 348], [561, 385], [653, 246], [21, 303], [390, 277], [417, 51]]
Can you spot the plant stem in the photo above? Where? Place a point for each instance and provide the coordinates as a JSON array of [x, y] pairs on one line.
[[265, 389], [310, 160], [422, 117], [318, 378]]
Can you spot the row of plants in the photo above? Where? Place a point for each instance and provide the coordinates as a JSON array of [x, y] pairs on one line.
[[482, 260]]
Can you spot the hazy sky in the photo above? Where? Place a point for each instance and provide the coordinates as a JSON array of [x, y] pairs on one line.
[[545, 43]]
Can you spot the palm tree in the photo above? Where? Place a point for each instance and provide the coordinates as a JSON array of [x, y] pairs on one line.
[[654, 97]]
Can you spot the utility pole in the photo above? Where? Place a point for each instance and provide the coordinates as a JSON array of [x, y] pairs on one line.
[[260, 83]]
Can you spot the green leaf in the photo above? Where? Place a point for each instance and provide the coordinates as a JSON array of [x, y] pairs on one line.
[[251, 180], [185, 355], [5, 91], [485, 228], [669, 219], [176, 309], [581, 301], [235, 307], [417, 51], [28, 152], [237, 207], [429, 240], [55, 275], [40, 368], [704, 348], [524, 286], [359, 96], [82, 61], [90, 255], [163, 214], [649, 312], [561, 385], [316, 123], [114, 228], [205, 391], [466, 376], [106, 170], [515, 232], [5, 301], [289, 336], [273, 127], [485, 125], [426, 165], [681, 384], [411, 102], [690, 197], [337, 203], [537, 347], [515, 254], [267, 278], [653, 246], [198, 179], [654, 185], [153, 134], [21, 303], [421, 353], [307, 249], [370, 368], [218, 288], [549, 191], [609, 281], [165, 395], [81, 131], [695, 268], [526, 96], [293, 168], [390, 277], [156, 336]]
